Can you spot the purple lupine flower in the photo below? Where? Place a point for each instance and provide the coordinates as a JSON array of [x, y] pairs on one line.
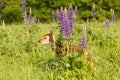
[[66, 21], [106, 23], [25, 18], [71, 16], [60, 14], [67, 28], [57, 13], [83, 39], [113, 17], [93, 10], [30, 17], [23, 6], [35, 19], [65, 11], [53, 16], [61, 19]]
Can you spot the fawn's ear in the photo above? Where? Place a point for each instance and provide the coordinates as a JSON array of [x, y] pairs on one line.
[[50, 32], [52, 37], [54, 40]]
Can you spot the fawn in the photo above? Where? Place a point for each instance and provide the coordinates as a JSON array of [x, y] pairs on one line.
[[62, 50], [57, 48]]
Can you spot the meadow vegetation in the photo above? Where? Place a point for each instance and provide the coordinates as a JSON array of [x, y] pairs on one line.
[[22, 58]]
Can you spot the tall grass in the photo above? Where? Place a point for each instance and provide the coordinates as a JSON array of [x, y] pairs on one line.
[[22, 58]]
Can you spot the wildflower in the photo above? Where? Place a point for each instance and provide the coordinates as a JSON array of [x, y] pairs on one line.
[[30, 17], [71, 16], [65, 11], [106, 23], [93, 10], [67, 28], [12, 27], [23, 6], [113, 17], [34, 19], [76, 11], [25, 18], [61, 19], [66, 21], [53, 16], [57, 13], [83, 39]]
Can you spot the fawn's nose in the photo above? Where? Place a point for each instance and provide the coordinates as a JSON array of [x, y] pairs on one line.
[[39, 41]]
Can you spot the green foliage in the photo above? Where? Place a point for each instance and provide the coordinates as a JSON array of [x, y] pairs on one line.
[[86, 14], [11, 12]]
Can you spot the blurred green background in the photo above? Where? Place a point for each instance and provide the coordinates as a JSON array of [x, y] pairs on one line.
[[11, 10]]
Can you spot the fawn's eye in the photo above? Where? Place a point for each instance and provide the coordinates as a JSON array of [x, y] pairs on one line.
[[45, 38]]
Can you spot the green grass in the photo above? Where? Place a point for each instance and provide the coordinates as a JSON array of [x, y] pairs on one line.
[[22, 58]]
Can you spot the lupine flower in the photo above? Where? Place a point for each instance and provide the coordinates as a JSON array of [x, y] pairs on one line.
[[67, 28], [93, 10], [34, 19], [12, 27], [76, 11], [106, 23], [30, 16], [53, 16], [83, 39], [61, 18], [60, 14], [71, 16], [23, 6], [57, 13], [66, 20], [113, 17], [25, 18], [65, 11]]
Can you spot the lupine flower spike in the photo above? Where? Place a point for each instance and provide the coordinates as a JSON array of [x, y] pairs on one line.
[[35, 19], [65, 11], [106, 23], [53, 16], [93, 10], [57, 13], [66, 21], [113, 16], [83, 45], [25, 18], [23, 7], [12, 27], [83, 39], [30, 16], [76, 11], [71, 17]]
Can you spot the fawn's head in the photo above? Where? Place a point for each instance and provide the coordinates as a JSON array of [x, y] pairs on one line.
[[47, 38]]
